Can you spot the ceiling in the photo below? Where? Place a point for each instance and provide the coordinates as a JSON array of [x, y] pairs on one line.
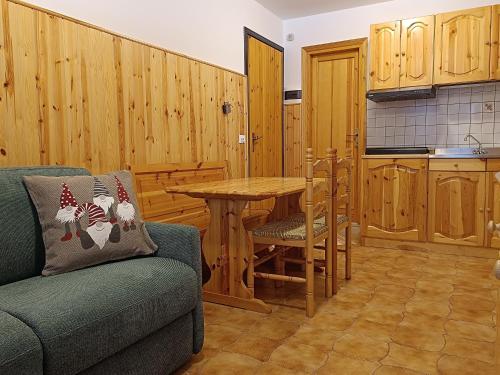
[[300, 8]]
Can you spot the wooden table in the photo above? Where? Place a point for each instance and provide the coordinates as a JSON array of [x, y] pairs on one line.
[[225, 244]]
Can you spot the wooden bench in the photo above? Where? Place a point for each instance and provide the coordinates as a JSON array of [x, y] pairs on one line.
[[159, 206]]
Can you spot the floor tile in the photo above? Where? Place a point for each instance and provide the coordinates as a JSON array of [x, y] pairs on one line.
[[393, 370], [361, 347], [322, 339], [299, 357], [418, 360], [451, 365], [471, 349], [254, 346], [419, 339], [472, 331], [341, 364], [230, 364]]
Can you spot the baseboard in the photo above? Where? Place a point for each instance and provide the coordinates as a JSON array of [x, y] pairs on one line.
[[473, 251]]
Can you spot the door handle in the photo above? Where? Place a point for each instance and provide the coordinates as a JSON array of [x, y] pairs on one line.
[[255, 138]]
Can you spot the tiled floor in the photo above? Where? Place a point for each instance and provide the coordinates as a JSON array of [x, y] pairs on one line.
[[403, 312]]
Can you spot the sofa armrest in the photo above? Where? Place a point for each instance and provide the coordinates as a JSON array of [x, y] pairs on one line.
[[182, 243]]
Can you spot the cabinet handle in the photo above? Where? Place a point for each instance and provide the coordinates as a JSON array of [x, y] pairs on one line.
[[403, 54], [488, 210], [481, 209]]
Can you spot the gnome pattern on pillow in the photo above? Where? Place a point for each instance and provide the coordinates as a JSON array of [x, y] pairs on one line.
[[66, 214], [125, 209], [99, 229]]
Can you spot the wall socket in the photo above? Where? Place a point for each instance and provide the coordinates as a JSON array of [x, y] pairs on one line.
[[242, 139]]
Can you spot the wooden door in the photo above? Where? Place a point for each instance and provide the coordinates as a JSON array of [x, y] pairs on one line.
[[495, 43], [462, 48], [456, 207], [265, 82], [395, 199], [334, 99], [493, 200], [417, 52], [385, 46]]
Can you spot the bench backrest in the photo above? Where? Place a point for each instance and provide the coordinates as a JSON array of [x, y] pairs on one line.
[[160, 206]]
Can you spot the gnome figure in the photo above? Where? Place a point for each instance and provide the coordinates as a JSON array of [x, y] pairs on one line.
[[125, 209], [66, 214], [103, 199], [99, 230]]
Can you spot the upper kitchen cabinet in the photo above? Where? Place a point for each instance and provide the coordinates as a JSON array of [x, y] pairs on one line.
[[495, 42], [462, 48], [417, 51], [385, 48]]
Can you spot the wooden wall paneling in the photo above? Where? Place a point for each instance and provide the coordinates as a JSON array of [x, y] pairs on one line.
[[294, 141], [7, 97], [23, 134], [77, 95]]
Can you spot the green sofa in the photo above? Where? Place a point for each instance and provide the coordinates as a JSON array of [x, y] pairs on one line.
[[137, 316]]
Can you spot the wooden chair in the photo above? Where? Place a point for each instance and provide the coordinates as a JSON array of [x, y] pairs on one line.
[[302, 231], [343, 212]]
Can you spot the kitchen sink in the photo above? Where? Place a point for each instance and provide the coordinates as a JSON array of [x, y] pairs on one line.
[[466, 153]]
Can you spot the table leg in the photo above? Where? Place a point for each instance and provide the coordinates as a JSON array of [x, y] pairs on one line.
[[225, 247]]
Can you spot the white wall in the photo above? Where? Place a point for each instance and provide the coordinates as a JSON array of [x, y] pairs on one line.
[[355, 23], [209, 30]]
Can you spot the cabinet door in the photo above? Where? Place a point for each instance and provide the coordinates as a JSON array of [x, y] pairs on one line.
[[417, 51], [493, 200], [462, 52], [395, 199], [385, 46], [495, 43], [456, 207]]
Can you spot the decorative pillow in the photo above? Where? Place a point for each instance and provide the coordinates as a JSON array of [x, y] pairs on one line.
[[88, 220]]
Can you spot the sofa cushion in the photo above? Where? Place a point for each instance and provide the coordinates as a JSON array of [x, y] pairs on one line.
[[88, 220], [20, 349], [85, 316], [21, 249]]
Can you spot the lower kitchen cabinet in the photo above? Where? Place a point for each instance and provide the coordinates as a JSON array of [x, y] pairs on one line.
[[493, 200], [456, 207], [395, 199]]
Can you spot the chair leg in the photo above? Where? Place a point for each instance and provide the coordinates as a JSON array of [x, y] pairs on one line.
[[328, 268], [335, 247], [279, 266], [250, 269], [310, 306], [348, 245]]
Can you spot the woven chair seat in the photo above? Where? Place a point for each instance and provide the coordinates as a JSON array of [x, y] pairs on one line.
[[301, 217], [294, 227]]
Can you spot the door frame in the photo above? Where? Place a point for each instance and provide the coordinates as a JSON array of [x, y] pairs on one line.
[[308, 53], [250, 33]]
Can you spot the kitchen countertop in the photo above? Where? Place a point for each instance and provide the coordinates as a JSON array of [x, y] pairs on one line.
[[443, 153]]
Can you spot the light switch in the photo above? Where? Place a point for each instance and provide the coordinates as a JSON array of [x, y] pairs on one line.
[[242, 139]]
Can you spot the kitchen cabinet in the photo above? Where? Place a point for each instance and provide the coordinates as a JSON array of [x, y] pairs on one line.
[[457, 196], [493, 200], [462, 47], [495, 43], [385, 48], [417, 52], [395, 199], [402, 53]]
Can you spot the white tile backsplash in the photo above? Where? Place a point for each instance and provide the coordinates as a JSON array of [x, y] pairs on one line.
[[440, 122]]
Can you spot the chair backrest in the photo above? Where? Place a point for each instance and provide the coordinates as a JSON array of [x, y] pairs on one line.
[[343, 177], [22, 253], [325, 189], [158, 205]]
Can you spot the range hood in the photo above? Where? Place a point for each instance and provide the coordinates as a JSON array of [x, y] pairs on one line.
[[422, 92]]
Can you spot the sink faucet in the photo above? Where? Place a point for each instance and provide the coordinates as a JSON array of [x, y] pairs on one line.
[[479, 150]]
